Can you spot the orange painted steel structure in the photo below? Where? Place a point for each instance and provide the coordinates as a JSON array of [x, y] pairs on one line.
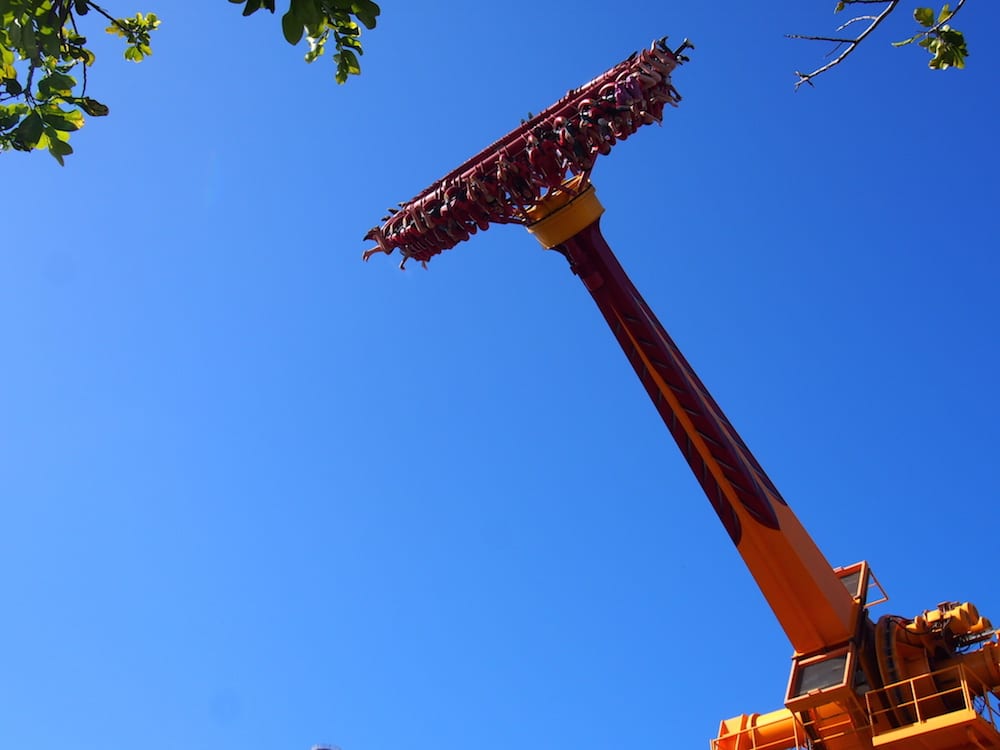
[[930, 682]]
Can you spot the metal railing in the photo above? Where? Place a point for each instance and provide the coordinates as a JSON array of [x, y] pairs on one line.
[[931, 695]]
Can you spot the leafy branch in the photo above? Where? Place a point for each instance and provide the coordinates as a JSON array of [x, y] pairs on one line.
[[40, 39], [319, 21], [44, 59], [946, 45]]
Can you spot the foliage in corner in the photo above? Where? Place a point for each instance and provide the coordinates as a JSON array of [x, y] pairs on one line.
[[945, 44], [43, 70], [323, 21], [44, 59]]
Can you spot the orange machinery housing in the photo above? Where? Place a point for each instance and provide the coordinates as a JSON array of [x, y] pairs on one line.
[[930, 682]]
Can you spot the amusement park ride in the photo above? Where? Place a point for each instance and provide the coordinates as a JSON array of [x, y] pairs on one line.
[[930, 682]]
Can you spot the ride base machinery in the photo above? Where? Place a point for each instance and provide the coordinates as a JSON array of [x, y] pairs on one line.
[[930, 682]]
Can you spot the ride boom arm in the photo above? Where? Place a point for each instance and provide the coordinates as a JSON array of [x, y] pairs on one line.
[[811, 603], [538, 175]]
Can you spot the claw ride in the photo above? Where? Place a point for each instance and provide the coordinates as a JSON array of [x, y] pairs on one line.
[[929, 682]]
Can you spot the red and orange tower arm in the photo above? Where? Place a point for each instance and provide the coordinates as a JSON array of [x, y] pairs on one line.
[[811, 603], [538, 175], [854, 683]]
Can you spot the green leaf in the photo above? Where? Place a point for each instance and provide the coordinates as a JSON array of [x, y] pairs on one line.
[[840, 7], [82, 54], [309, 14], [317, 46], [924, 16], [28, 133], [292, 28], [945, 13], [56, 84], [48, 41], [9, 117], [14, 34], [352, 61], [252, 6], [949, 50], [59, 148], [367, 11], [347, 65], [29, 45], [353, 42], [91, 106], [7, 61], [62, 119]]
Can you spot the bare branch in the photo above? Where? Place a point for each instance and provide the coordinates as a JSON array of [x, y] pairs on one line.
[[852, 44]]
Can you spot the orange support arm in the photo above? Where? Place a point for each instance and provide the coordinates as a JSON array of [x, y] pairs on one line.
[[811, 603]]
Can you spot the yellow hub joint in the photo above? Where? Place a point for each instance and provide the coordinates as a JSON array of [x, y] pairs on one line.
[[564, 212]]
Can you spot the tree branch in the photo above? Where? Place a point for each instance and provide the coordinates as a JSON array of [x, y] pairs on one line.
[[852, 44], [107, 15]]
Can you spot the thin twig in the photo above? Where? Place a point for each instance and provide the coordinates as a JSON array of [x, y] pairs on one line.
[[107, 15], [838, 40], [100, 10], [855, 20], [76, 31]]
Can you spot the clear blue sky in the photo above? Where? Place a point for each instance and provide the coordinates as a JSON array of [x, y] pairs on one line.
[[259, 495]]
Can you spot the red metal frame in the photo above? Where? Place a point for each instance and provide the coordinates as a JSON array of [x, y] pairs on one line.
[[500, 183]]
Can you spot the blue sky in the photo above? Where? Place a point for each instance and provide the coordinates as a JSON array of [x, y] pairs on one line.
[[258, 494]]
